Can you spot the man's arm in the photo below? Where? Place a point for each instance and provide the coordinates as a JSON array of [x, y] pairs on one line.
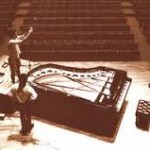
[[25, 35], [10, 92], [21, 38], [33, 93]]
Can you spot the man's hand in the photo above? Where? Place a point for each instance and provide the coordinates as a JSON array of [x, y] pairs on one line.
[[30, 29]]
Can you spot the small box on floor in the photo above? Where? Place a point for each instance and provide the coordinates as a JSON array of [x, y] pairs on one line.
[[143, 115], [2, 116]]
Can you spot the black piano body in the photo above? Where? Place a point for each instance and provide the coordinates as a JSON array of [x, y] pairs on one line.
[[6, 104], [98, 117]]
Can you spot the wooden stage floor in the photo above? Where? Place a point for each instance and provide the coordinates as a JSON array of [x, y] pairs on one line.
[[49, 136]]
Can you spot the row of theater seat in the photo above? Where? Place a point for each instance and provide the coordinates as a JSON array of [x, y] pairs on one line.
[[76, 20], [74, 14], [77, 1], [8, 2], [73, 6], [79, 5], [79, 27], [103, 35], [79, 46]]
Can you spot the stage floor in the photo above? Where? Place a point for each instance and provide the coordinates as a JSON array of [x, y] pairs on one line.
[[47, 135]]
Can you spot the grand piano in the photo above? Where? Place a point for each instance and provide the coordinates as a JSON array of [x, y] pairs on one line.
[[91, 100]]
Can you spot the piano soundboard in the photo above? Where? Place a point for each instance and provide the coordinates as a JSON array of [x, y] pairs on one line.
[[100, 85]]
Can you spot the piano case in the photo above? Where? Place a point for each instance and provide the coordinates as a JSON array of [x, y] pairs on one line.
[[95, 118]]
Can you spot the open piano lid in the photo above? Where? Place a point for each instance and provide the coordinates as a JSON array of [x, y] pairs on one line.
[[100, 85]]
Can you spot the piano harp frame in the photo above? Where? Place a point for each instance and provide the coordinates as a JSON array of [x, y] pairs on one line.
[[72, 111]]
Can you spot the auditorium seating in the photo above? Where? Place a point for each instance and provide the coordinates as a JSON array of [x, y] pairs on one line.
[[143, 15], [93, 29], [7, 14]]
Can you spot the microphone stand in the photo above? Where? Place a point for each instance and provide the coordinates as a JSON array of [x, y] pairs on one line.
[[29, 61]]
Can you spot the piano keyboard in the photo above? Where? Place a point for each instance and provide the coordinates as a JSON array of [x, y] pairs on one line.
[[121, 97]]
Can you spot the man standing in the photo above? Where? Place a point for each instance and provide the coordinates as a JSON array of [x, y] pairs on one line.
[[24, 95], [14, 51]]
